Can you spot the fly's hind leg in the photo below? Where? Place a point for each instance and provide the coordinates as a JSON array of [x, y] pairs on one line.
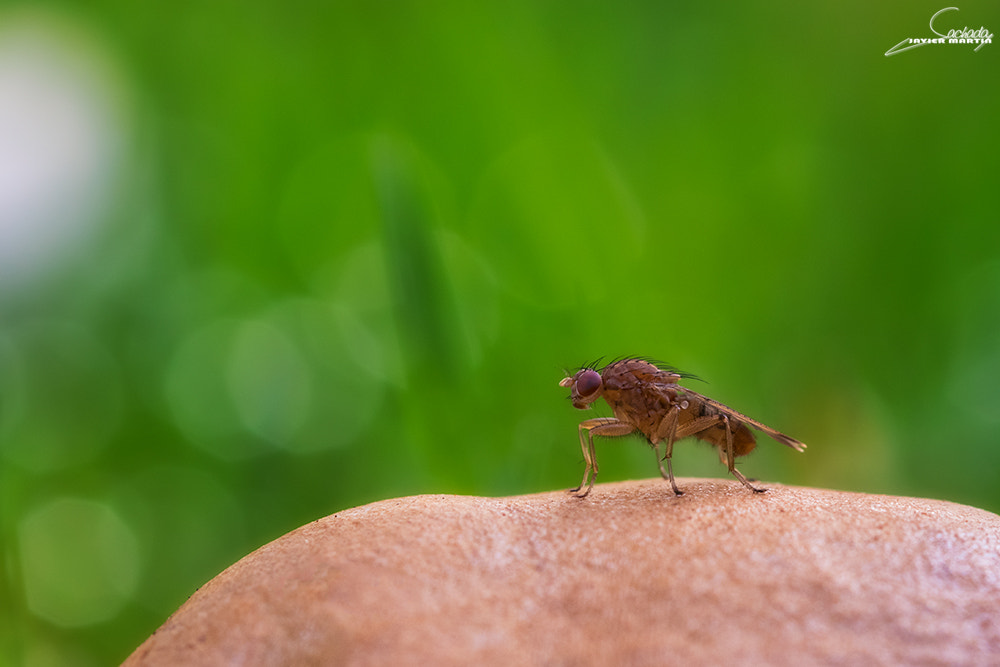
[[731, 460], [603, 426]]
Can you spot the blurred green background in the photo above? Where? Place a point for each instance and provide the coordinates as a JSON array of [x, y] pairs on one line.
[[260, 262]]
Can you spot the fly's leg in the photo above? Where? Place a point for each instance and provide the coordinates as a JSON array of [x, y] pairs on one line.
[[603, 426], [587, 445], [731, 460], [704, 423], [670, 476], [667, 431], [674, 433], [664, 473]]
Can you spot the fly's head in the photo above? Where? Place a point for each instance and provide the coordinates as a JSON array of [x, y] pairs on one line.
[[585, 387]]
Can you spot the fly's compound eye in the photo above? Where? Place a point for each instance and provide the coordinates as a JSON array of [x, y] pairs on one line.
[[588, 383]]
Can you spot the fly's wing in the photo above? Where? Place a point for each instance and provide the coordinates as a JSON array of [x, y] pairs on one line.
[[777, 435]]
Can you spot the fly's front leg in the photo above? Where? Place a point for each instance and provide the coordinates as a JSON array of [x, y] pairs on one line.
[[604, 426], [589, 457], [731, 460], [667, 431]]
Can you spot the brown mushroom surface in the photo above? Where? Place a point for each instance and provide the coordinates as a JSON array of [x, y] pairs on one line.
[[630, 575]]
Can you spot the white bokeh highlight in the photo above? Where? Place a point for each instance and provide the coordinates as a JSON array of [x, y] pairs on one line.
[[60, 143]]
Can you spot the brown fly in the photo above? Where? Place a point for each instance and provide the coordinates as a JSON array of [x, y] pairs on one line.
[[646, 397]]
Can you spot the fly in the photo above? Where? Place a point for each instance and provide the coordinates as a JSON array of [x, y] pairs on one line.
[[647, 398]]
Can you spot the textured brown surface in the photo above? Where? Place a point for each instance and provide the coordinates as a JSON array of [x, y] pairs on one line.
[[629, 575]]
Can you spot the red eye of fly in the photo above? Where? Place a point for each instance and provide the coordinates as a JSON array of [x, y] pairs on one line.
[[588, 383]]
